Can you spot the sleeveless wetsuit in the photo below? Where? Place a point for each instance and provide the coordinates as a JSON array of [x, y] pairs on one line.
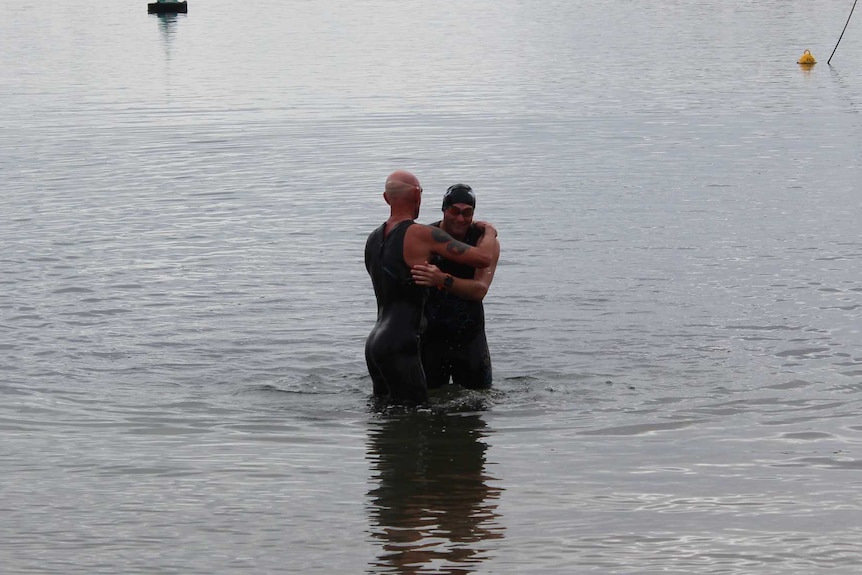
[[454, 343], [392, 347]]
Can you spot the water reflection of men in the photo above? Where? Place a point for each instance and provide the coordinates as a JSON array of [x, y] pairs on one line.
[[432, 505]]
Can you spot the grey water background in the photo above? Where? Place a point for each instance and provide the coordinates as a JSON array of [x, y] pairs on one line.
[[674, 325]]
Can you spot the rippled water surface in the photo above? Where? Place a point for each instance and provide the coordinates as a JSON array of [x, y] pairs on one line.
[[674, 324]]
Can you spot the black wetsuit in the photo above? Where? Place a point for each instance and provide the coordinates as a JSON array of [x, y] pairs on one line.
[[392, 347], [454, 344]]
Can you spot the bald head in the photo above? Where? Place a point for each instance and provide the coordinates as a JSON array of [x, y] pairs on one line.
[[399, 183], [403, 194]]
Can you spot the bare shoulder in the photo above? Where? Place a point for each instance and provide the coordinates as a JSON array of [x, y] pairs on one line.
[[428, 233], [422, 231]]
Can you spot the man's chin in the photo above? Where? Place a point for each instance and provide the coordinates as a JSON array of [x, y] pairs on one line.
[[460, 231]]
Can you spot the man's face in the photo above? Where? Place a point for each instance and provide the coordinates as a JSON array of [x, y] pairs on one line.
[[458, 218]]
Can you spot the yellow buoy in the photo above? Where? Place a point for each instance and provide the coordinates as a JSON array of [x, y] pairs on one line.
[[807, 59]]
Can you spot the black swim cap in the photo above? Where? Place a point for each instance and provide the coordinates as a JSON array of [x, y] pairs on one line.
[[459, 194]]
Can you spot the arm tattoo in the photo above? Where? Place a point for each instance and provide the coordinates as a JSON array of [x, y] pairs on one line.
[[456, 247], [440, 236], [453, 246]]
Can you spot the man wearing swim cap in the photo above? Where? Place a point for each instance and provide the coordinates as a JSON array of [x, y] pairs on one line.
[[454, 344], [392, 348]]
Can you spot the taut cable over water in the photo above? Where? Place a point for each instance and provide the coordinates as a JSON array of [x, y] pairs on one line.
[[842, 32]]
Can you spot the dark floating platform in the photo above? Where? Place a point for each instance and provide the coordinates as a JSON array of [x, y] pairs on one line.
[[168, 7]]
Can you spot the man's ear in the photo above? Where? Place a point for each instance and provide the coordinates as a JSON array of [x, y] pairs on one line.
[[386, 197]]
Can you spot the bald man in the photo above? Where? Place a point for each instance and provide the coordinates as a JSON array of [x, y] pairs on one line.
[[392, 347]]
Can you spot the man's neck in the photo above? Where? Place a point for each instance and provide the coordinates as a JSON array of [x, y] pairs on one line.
[[398, 216]]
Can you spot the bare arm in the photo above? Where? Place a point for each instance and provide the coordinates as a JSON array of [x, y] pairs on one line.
[[473, 289], [421, 241]]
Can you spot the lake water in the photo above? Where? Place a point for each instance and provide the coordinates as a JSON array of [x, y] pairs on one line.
[[674, 325]]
